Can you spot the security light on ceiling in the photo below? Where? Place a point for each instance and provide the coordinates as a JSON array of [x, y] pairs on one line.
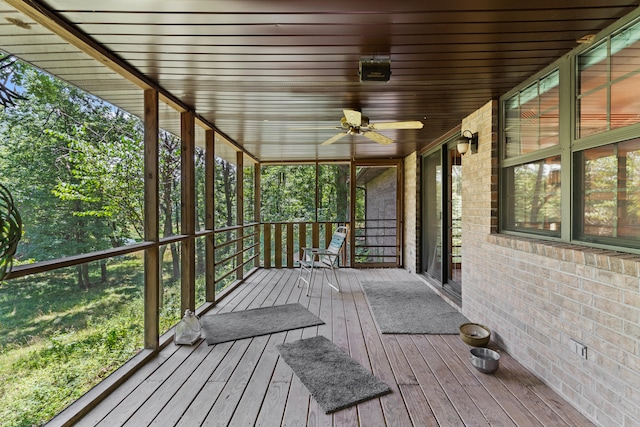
[[375, 70]]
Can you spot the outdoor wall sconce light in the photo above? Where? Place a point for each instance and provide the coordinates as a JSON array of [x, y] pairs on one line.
[[468, 143]]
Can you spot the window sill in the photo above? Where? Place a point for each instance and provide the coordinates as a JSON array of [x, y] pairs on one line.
[[617, 262]]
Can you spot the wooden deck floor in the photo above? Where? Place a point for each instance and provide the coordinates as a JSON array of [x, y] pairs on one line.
[[245, 383]]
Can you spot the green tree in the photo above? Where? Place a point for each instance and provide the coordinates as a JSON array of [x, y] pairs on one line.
[[200, 173], [333, 192], [288, 193], [169, 177], [74, 164], [225, 192]]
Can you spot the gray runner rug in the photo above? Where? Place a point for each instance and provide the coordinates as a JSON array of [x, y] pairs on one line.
[[411, 308], [237, 325], [333, 378]]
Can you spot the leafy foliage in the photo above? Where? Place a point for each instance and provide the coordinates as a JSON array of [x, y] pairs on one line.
[[8, 96], [225, 186], [58, 342], [74, 164], [10, 230], [288, 193]]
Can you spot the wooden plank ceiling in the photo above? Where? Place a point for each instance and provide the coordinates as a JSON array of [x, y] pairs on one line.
[[257, 69]]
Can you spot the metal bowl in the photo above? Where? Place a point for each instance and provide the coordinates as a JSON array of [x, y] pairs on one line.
[[485, 360], [475, 334]]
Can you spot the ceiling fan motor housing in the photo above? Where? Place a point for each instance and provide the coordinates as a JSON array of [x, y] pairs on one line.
[[354, 123], [344, 123]]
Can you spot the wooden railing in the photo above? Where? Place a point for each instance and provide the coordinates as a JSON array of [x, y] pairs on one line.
[[376, 242], [281, 241], [237, 249]]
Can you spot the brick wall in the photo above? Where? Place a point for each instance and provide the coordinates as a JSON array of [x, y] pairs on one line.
[[381, 211], [409, 249], [537, 295]]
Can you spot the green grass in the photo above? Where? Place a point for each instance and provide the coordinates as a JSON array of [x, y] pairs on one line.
[[58, 341]]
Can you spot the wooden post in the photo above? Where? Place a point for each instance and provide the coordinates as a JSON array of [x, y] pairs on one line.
[[210, 219], [151, 222], [267, 245], [400, 213], [328, 233], [315, 235], [289, 248], [352, 209], [188, 214], [256, 208], [302, 236], [278, 245], [240, 212]]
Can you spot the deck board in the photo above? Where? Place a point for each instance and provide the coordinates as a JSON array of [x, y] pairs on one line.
[[159, 398], [370, 412], [455, 391], [245, 382], [502, 387], [443, 411], [197, 381], [393, 406], [106, 406], [491, 410]]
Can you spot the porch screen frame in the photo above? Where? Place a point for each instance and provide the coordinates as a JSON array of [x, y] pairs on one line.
[[399, 165]]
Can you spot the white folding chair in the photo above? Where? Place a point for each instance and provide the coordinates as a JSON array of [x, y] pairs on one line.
[[325, 259]]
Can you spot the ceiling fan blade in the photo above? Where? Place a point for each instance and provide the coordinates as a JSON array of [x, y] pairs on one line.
[[317, 128], [335, 138], [354, 118], [396, 125], [377, 137]]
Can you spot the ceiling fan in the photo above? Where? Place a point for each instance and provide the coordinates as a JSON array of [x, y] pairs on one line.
[[354, 123]]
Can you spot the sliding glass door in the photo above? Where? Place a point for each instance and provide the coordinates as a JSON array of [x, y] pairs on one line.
[[432, 215], [442, 218], [454, 221]]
